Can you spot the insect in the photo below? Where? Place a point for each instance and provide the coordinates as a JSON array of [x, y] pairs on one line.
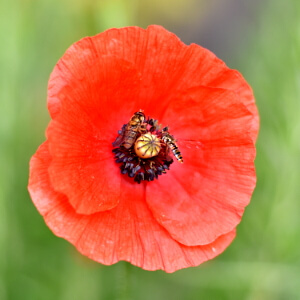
[[128, 133], [170, 141]]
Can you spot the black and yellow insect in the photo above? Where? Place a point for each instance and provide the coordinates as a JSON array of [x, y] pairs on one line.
[[128, 133], [170, 141]]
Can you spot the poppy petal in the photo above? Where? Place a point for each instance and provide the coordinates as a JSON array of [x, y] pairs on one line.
[[84, 127], [206, 114], [127, 232], [218, 154], [166, 66], [150, 52], [96, 85], [82, 164]]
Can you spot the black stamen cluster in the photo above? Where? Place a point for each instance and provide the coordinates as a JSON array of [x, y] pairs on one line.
[[139, 168]]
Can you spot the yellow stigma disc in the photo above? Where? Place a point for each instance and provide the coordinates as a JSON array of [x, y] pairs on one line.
[[147, 145]]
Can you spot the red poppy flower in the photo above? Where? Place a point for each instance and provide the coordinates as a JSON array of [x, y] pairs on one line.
[[180, 219]]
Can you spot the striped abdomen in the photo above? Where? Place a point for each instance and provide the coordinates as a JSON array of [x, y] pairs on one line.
[[132, 128], [130, 135], [169, 140]]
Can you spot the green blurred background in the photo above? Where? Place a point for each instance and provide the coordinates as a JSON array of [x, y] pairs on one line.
[[259, 38]]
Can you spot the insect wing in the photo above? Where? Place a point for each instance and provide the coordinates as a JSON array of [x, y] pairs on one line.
[[120, 138], [169, 153]]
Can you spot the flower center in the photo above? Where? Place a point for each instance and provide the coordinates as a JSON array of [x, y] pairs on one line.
[[144, 149]]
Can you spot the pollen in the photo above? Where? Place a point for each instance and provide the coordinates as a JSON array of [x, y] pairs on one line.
[[147, 145]]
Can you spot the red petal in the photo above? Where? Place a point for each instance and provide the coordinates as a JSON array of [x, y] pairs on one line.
[[163, 64], [151, 53], [208, 114], [205, 197], [95, 84], [128, 232], [203, 68], [92, 102], [83, 165]]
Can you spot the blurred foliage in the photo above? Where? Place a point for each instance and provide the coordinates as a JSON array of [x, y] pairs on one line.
[[264, 260]]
